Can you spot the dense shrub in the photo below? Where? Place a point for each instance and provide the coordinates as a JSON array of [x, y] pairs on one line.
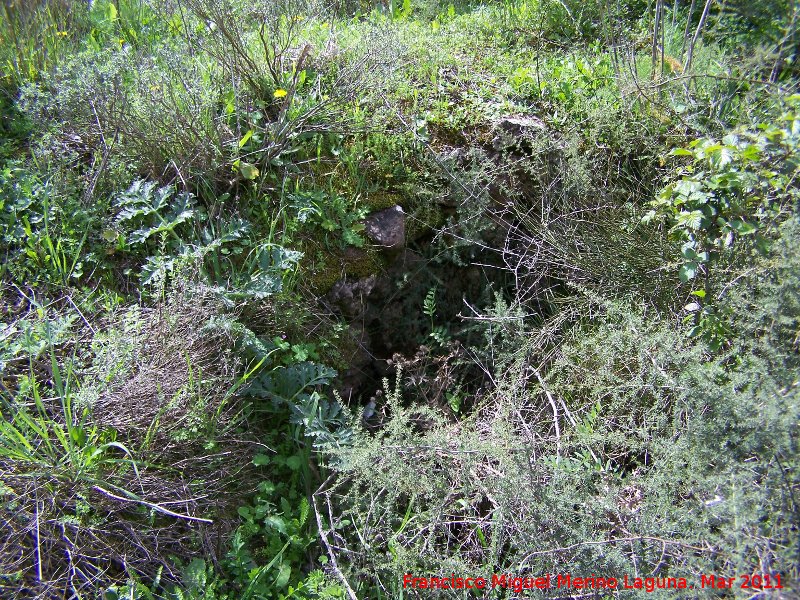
[[572, 385], [634, 435]]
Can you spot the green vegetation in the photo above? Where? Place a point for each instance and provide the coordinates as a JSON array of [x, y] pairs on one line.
[[231, 368]]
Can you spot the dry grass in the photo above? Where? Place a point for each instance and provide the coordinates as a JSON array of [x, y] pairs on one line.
[[161, 486], [174, 368]]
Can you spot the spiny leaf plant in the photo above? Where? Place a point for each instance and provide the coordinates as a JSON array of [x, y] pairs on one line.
[[153, 210], [43, 238], [262, 273]]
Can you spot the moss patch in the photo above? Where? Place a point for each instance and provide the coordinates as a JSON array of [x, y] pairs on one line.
[[382, 199], [325, 269]]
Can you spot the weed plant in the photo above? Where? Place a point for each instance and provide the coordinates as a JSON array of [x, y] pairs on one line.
[[181, 181]]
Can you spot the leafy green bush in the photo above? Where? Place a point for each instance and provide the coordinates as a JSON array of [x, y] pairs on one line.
[[333, 214], [585, 457], [733, 191], [148, 111], [44, 230]]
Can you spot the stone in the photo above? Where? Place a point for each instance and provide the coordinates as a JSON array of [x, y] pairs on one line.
[[350, 296], [519, 125], [512, 130], [387, 228]]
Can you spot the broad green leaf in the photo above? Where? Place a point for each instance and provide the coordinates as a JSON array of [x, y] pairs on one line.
[[709, 149], [284, 573], [743, 227], [649, 217], [688, 271], [286, 508], [690, 220], [751, 153], [248, 171], [687, 187], [722, 157], [276, 522], [260, 460]]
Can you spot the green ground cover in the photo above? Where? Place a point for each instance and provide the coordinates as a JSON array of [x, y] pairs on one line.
[[586, 358]]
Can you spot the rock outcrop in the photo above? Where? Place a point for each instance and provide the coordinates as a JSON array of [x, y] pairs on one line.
[[387, 228]]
